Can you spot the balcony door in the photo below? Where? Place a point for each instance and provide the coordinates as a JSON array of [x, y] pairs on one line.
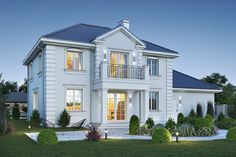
[[118, 65], [116, 106]]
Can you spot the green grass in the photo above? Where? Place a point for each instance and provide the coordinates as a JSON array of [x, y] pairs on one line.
[[19, 145]]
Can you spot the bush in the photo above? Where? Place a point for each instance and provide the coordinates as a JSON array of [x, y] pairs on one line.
[[180, 118], [24, 108], [35, 119], [161, 136], [64, 119], [191, 120], [157, 126], [226, 123], [149, 123], [209, 118], [133, 125], [93, 134], [10, 128], [47, 136], [171, 126], [199, 111], [192, 113], [231, 135], [144, 130], [232, 111], [203, 122], [205, 131], [16, 112], [210, 109], [221, 116], [186, 130]]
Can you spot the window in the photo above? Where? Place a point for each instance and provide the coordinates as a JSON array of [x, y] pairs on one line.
[[35, 100], [154, 101], [154, 66], [31, 71], [40, 63], [74, 60], [73, 100]]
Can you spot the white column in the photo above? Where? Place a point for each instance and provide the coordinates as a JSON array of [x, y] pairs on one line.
[[104, 95], [144, 106]]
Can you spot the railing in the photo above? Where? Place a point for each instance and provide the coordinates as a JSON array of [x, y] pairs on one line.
[[125, 71]]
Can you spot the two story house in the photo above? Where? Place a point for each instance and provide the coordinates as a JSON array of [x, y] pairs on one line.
[[106, 75]]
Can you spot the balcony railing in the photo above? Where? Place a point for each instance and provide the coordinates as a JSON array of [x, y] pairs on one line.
[[121, 71]]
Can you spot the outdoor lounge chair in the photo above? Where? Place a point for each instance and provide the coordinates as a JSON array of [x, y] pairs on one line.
[[47, 124], [79, 124]]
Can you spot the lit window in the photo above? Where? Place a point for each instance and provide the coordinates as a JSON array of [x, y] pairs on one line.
[[154, 66], [154, 101], [74, 60], [73, 100]]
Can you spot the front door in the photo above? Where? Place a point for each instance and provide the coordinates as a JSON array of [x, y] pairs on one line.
[[116, 106]]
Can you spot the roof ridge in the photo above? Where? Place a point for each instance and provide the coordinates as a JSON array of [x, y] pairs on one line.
[[158, 45], [213, 85], [94, 25]]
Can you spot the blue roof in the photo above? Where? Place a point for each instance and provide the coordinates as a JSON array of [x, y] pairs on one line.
[[16, 97], [181, 80], [87, 33]]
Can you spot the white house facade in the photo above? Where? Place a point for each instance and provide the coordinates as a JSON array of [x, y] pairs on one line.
[[107, 75]]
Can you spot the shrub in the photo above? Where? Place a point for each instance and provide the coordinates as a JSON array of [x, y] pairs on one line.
[[186, 130], [203, 122], [35, 119], [149, 123], [191, 120], [161, 135], [231, 135], [192, 113], [64, 119], [133, 125], [180, 118], [94, 134], [210, 109], [157, 126], [171, 126], [24, 108], [144, 130], [16, 112], [205, 131], [226, 123], [232, 111], [10, 128], [47, 136], [221, 116], [199, 111], [209, 118]]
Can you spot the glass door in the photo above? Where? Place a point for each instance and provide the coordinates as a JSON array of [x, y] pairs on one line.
[[118, 64], [116, 107]]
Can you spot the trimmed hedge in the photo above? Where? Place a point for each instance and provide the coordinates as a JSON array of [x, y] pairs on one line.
[[203, 122], [47, 136], [180, 118], [133, 125], [64, 119], [161, 135], [231, 135], [171, 126]]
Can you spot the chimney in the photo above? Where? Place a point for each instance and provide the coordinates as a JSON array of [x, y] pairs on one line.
[[124, 23]]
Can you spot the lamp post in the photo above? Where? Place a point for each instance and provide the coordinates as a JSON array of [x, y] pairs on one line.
[[177, 136], [106, 131], [29, 128]]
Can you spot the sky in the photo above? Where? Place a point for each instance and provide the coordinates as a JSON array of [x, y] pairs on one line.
[[202, 31]]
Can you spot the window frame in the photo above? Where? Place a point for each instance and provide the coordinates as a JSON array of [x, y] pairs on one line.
[[151, 72], [151, 105], [81, 59], [82, 100]]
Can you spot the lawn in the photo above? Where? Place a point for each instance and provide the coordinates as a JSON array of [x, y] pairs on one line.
[[19, 145]]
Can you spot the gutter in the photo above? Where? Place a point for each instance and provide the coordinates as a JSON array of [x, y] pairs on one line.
[[153, 53], [197, 90]]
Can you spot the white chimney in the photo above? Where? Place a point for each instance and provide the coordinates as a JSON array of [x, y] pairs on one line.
[[124, 23]]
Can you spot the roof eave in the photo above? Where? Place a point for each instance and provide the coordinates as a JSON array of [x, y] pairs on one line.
[[159, 53], [197, 90]]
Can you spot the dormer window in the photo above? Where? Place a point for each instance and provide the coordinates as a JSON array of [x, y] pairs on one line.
[[74, 60]]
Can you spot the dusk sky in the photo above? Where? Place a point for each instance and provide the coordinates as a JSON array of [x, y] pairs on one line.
[[202, 31]]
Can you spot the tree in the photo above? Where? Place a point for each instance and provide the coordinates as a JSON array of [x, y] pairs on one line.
[[9, 86], [228, 96], [199, 111], [23, 87]]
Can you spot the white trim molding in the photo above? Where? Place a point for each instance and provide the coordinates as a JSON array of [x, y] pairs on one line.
[[196, 90]]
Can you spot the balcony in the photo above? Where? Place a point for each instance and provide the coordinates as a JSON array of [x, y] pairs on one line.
[[123, 71]]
